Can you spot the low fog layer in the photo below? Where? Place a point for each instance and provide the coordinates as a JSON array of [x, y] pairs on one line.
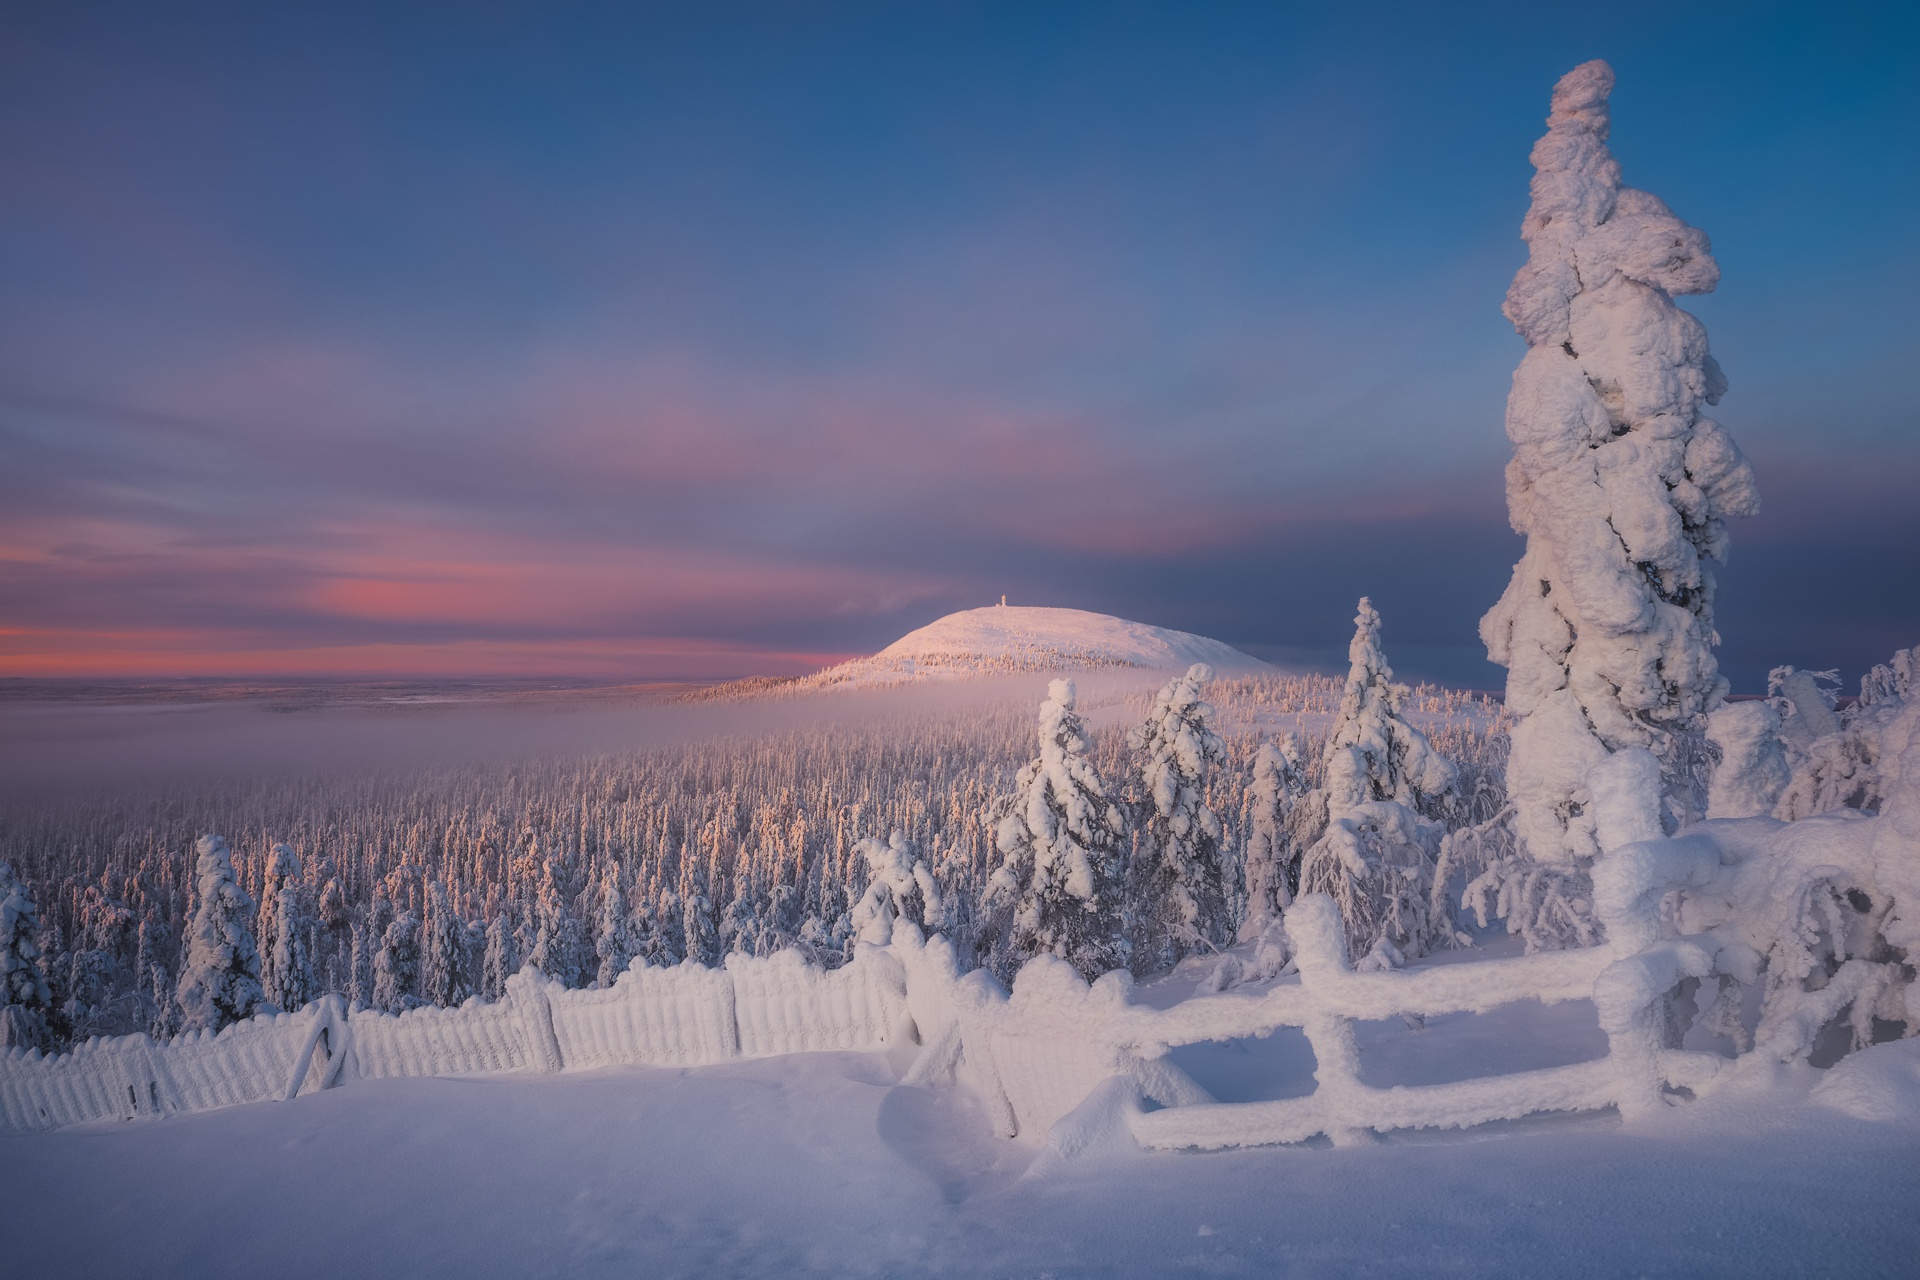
[[54, 745]]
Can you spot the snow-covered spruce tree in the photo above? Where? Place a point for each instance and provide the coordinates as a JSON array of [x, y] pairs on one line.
[[700, 940], [1753, 767], [1832, 763], [220, 976], [1176, 878], [360, 966], [443, 951], [1373, 752], [501, 960], [1385, 787], [613, 941], [151, 975], [396, 966], [1058, 887], [286, 933], [899, 887], [1273, 855], [1622, 487], [1619, 482], [24, 994], [557, 940]]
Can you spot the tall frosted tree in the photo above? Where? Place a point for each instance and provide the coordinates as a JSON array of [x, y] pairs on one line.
[[286, 933], [443, 950], [557, 940], [1059, 885], [220, 976], [1384, 785], [24, 994], [700, 940], [396, 966], [501, 959], [1272, 860], [613, 938], [1178, 880], [1619, 482], [1373, 752]]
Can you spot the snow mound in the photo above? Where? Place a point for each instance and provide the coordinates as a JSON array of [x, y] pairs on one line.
[[1880, 1084], [1007, 639]]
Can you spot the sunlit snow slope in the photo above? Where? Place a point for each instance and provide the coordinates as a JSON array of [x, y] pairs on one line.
[[1013, 638]]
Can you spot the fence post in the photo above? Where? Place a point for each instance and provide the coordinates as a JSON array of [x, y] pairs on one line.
[[1320, 949], [527, 991], [1638, 869], [322, 1015]]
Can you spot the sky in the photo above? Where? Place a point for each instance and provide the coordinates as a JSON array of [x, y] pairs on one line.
[[696, 341]]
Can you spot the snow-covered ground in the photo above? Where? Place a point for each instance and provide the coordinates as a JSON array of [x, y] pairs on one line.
[[1012, 638], [824, 1165]]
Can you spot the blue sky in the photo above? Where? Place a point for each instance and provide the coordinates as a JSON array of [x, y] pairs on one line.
[[702, 340]]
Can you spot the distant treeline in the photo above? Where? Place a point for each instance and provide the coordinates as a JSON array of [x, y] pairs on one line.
[[587, 864]]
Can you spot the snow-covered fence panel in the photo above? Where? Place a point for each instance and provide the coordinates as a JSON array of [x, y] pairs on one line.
[[1329, 999], [100, 1080], [1039, 1053], [682, 1016], [784, 1005], [129, 1076], [471, 1039]]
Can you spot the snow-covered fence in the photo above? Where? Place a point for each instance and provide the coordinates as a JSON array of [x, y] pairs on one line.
[[1042, 1051], [129, 1076], [683, 1016], [441, 1042], [784, 1005]]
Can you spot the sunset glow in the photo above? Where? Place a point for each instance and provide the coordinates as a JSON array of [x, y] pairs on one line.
[[652, 370]]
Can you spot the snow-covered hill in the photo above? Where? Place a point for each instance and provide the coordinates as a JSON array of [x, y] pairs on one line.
[[1004, 639]]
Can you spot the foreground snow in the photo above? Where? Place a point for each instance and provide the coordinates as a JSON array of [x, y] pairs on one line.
[[824, 1165]]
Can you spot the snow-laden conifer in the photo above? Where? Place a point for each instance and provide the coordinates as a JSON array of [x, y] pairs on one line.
[[613, 938], [501, 959], [899, 887], [396, 966], [1619, 482], [24, 994], [360, 965], [700, 940], [443, 950], [1384, 786], [220, 977], [1178, 880], [1272, 860], [1753, 767], [1059, 884], [1373, 752], [557, 940], [286, 933]]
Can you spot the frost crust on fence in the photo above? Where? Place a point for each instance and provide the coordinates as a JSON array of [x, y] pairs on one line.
[[1619, 481], [686, 1015]]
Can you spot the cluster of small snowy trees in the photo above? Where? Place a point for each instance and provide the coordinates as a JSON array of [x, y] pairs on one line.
[[1072, 884]]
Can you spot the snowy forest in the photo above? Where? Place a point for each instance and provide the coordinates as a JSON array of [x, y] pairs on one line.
[[435, 885]]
